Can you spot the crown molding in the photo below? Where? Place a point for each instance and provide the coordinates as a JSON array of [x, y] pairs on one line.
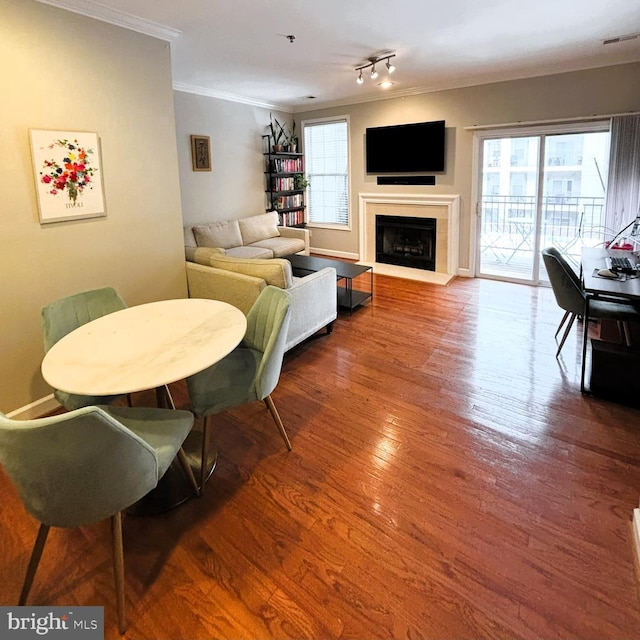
[[462, 83], [118, 18], [231, 97]]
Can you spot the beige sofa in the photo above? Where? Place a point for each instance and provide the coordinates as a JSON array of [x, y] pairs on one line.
[[239, 281], [257, 236]]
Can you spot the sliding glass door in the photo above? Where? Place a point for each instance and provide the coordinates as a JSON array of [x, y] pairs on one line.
[[539, 190]]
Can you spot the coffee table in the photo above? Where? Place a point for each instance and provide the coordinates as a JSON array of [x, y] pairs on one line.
[[348, 297]]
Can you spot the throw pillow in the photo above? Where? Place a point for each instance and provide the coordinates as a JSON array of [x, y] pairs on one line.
[[260, 227], [218, 234]]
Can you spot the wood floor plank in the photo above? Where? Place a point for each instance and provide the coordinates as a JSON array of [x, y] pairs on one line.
[[447, 481]]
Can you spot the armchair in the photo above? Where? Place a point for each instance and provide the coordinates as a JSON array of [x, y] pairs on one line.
[[63, 316], [570, 297], [90, 464], [250, 372]]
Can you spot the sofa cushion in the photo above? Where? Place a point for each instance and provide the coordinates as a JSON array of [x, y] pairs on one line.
[[281, 246], [249, 252], [224, 234], [260, 227], [276, 272]]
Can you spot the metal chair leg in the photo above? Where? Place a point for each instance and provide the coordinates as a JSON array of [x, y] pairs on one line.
[[274, 413], [564, 317], [566, 333], [118, 568], [164, 398], [36, 554]]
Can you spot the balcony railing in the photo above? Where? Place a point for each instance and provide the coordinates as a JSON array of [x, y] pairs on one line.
[[566, 222]]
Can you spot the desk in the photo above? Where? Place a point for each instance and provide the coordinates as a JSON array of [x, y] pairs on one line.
[[624, 290], [146, 347]]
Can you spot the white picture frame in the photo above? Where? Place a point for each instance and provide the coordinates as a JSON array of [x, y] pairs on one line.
[[67, 170]]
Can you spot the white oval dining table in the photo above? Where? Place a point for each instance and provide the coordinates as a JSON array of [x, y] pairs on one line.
[[144, 347], [147, 347]]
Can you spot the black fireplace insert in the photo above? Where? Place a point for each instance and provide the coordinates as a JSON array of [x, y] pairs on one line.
[[406, 242]]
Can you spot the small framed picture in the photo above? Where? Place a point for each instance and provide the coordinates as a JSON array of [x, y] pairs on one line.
[[201, 153], [68, 174]]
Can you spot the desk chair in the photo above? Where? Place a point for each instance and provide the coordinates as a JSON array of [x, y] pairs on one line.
[[250, 372], [89, 464], [570, 296], [63, 316]]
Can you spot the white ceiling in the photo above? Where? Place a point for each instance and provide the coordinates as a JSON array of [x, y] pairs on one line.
[[238, 50]]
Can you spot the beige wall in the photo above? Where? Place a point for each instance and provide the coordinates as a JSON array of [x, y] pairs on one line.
[[235, 186], [598, 91], [64, 71]]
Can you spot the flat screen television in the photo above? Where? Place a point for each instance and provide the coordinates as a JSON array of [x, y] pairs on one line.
[[407, 148]]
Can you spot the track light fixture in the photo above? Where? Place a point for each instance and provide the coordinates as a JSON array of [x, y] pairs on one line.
[[372, 63]]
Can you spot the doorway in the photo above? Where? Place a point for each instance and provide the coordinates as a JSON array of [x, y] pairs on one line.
[[537, 189]]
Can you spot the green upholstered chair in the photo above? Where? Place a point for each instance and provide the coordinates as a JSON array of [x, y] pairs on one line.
[[250, 372], [570, 296], [90, 464], [63, 316]]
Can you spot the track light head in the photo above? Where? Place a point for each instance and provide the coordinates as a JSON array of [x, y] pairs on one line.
[[372, 65]]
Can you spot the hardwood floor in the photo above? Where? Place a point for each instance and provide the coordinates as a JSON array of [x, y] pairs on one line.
[[447, 481]]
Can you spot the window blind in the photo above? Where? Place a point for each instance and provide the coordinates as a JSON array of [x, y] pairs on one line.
[[326, 153]]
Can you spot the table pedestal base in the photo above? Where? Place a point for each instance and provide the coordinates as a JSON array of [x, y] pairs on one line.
[[174, 487]]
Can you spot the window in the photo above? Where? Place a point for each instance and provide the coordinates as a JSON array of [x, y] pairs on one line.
[[326, 151]]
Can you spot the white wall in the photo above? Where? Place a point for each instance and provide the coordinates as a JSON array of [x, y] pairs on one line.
[[64, 71], [235, 186]]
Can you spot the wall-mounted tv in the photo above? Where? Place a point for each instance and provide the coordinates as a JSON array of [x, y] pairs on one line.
[[406, 148]]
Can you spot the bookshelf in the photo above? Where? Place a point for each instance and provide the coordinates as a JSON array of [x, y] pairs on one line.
[[284, 170]]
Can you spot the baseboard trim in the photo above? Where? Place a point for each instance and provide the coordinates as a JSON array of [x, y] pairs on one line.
[[333, 254], [36, 409], [636, 534]]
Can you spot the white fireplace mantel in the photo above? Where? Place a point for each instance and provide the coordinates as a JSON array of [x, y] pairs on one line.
[[444, 208]]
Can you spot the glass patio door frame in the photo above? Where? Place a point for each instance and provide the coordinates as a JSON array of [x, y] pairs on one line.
[[538, 131]]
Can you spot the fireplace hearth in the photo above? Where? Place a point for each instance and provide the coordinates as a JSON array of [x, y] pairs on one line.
[[406, 241]]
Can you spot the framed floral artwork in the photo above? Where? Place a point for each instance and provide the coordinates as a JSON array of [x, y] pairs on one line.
[[200, 153], [68, 174]]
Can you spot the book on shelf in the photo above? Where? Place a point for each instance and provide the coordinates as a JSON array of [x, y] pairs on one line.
[[288, 202], [291, 218], [283, 184], [286, 165]]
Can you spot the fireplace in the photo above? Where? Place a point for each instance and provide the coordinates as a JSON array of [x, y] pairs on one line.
[[406, 242], [445, 209]]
